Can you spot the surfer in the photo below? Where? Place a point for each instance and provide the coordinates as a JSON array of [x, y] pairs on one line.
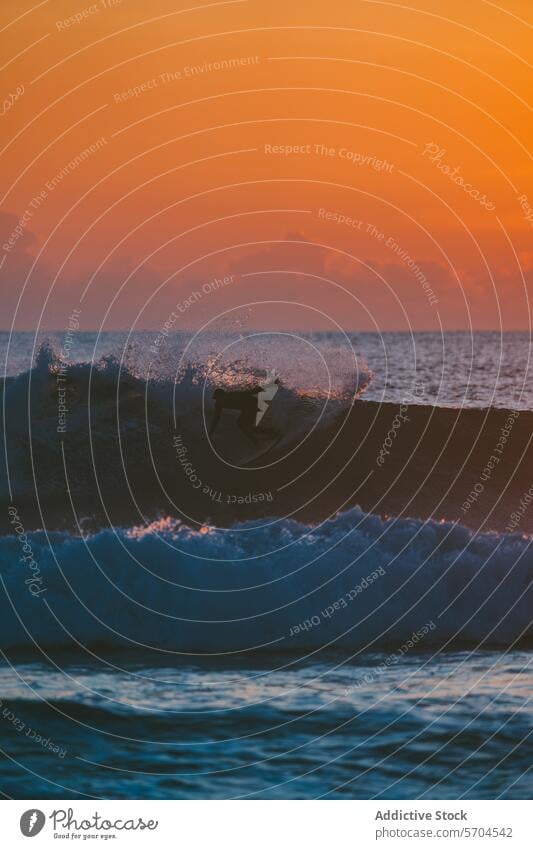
[[245, 401], [252, 404]]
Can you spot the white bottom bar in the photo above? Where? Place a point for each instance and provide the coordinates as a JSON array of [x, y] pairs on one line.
[[268, 824]]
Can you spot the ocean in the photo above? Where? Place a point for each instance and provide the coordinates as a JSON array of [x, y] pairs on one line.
[[346, 614]]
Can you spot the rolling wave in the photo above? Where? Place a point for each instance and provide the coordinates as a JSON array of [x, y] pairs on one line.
[[355, 581], [133, 446], [107, 433]]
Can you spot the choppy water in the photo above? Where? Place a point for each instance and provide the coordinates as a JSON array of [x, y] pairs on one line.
[[479, 369], [442, 726], [87, 712]]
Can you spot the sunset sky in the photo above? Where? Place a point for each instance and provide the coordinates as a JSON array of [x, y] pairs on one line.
[[151, 148]]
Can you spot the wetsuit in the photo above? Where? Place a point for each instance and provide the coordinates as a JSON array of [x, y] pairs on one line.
[[245, 401]]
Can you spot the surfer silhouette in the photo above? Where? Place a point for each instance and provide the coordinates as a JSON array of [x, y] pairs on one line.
[[252, 403]]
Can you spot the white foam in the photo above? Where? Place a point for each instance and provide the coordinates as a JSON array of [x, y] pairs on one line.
[[210, 590]]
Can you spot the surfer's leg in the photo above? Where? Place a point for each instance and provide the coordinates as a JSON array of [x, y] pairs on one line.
[[246, 422]]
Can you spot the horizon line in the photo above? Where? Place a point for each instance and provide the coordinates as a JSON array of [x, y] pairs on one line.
[[8, 330]]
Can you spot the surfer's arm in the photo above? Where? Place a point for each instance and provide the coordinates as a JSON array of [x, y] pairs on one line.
[[216, 418]]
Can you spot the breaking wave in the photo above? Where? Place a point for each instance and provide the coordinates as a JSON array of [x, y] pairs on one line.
[[111, 415], [355, 581]]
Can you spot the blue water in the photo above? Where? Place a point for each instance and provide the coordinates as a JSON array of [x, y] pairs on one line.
[[444, 726], [385, 658]]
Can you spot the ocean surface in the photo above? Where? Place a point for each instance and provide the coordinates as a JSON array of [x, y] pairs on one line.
[[179, 623], [461, 369]]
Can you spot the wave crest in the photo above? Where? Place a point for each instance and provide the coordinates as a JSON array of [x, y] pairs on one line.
[[357, 581]]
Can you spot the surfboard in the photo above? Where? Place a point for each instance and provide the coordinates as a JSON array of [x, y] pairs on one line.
[[260, 451]]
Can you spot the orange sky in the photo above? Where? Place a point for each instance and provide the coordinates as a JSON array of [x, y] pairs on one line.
[[191, 179]]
